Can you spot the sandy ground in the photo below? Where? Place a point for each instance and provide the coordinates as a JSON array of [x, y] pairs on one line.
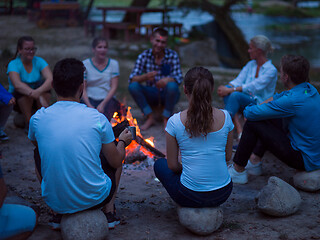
[[145, 208]]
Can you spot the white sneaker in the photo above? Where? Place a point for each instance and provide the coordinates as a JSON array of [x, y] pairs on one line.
[[254, 169], [238, 177]]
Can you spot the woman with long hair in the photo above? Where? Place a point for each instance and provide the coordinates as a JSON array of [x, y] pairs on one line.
[[255, 83], [30, 78], [101, 80], [202, 135]]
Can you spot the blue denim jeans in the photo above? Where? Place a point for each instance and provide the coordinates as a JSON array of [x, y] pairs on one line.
[[237, 101], [147, 97], [184, 196]]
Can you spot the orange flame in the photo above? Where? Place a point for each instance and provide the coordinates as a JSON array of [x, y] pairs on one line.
[[133, 122]]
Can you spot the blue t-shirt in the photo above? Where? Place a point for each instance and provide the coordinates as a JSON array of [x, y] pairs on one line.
[[33, 78], [300, 109], [69, 137], [204, 166]]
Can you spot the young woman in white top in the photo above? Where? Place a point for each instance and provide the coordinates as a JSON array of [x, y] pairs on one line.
[[203, 136], [101, 80]]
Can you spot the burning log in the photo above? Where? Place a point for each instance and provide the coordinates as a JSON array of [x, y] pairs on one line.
[[117, 129], [143, 143]]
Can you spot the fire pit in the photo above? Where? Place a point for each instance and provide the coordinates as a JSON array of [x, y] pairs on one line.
[[139, 149]]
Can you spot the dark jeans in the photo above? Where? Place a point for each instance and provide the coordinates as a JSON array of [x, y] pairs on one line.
[[184, 196], [271, 135], [110, 171]]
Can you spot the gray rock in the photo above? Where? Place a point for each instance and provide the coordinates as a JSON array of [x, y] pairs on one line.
[[307, 181], [201, 221], [86, 225], [199, 53], [278, 198]]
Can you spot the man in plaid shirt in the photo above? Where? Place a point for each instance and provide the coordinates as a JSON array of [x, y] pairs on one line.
[[155, 78]]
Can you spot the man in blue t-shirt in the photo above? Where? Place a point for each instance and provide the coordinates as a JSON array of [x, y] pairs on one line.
[[286, 125], [80, 164]]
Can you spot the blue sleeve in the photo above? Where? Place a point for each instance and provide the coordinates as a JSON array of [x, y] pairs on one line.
[[5, 96], [1, 175], [13, 66], [41, 63], [281, 107], [170, 126], [106, 130]]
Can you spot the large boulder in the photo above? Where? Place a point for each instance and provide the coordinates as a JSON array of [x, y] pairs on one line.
[[201, 221], [199, 53], [86, 225], [278, 198], [307, 181]]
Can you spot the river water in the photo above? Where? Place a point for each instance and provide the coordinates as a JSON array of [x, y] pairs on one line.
[[298, 36]]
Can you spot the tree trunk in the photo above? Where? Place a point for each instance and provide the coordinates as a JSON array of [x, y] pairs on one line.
[[86, 14], [131, 17], [233, 33]]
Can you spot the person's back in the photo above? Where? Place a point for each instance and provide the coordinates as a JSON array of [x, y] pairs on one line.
[[203, 136], [203, 160], [69, 137]]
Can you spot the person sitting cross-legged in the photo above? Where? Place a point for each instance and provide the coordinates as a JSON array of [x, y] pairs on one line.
[[203, 135], [155, 79], [76, 158], [286, 125]]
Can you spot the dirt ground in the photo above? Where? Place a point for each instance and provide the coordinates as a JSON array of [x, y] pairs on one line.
[[145, 209]]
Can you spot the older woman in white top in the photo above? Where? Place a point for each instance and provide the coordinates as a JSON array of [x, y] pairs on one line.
[[255, 83], [101, 80]]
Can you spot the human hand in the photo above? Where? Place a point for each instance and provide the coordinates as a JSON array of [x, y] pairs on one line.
[[150, 75], [12, 101], [100, 107], [162, 83], [35, 94], [43, 101], [223, 91], [126, 136]]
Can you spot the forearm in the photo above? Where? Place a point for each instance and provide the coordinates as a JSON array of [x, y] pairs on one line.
[[3, 191], [140, 78], [46, 86]]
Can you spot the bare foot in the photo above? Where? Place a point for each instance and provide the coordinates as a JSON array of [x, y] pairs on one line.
[[148, 123]]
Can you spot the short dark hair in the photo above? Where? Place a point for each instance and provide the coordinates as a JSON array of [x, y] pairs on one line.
[[67, 77], [161, 31], [297, 68], [96, 41]]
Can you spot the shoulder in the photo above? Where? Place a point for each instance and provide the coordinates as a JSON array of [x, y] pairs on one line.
[[40, 62], [86, 61], [39, 59], [170, 52], [14, 63], [270, 67], [113, 62]]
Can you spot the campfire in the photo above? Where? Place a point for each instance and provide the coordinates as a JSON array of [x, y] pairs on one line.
[[140, 148]]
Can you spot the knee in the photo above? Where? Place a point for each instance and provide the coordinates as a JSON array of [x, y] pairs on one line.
[[158, 165], [134, 87], [172, 87]]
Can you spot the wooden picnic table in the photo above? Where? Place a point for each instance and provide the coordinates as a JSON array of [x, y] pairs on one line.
[[48, 10], [127, 27]]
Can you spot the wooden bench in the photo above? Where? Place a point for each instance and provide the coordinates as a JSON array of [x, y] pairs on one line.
[[176, 28], [128, 29]]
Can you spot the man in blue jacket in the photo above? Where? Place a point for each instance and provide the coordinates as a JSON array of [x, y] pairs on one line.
[[6, 103], [286, 125]]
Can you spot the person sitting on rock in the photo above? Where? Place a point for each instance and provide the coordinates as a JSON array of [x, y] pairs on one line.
[[203, 136], [30, 78], [16, 221], [6, 103], [159, 68], [77, 161], [286, 125], [101, 80], [255, 83]]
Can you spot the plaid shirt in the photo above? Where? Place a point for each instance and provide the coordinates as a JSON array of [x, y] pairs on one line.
[[170, 66]]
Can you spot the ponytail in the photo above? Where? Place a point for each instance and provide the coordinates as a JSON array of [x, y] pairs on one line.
[[199, 85]]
